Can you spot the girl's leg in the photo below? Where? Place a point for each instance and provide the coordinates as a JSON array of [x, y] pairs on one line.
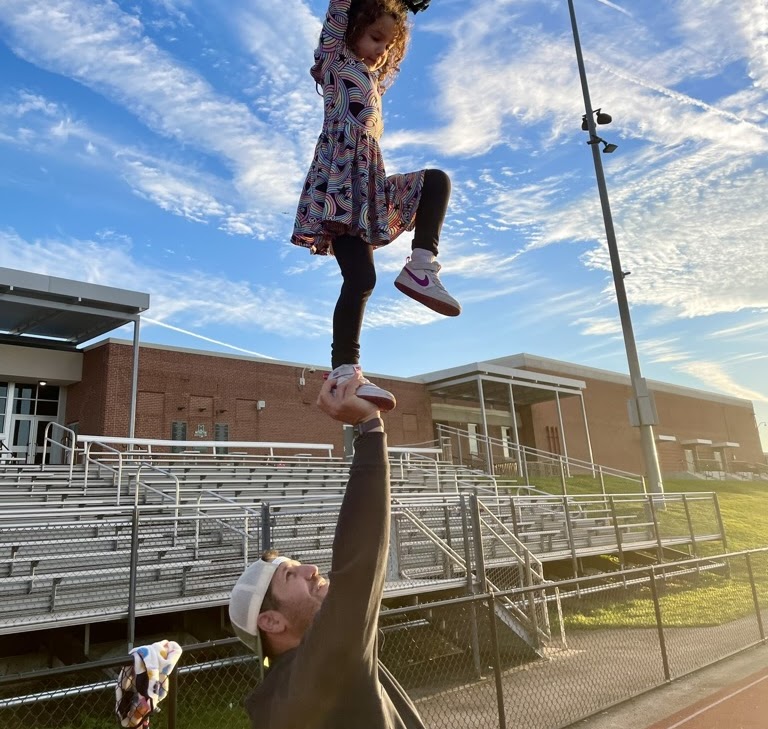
[[430, 214], [419, 278], [355, 259]]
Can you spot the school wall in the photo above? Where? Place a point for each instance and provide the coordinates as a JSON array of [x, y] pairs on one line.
[[204, 390], [616, 443]]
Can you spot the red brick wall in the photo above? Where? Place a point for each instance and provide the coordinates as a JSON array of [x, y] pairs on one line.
[[86, 399], [616, 443], [205, 390]]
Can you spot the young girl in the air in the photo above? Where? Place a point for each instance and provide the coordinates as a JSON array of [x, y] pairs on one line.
[[348, 205]]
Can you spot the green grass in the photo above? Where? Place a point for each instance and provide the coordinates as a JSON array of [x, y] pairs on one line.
[[743, 504], [706, 599]]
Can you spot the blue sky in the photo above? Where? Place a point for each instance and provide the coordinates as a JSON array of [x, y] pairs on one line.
[[160, 145]]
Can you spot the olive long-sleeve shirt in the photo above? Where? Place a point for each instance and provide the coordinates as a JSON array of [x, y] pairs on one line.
[[333, 679]]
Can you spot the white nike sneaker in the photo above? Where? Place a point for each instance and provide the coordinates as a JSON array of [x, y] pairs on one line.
[[420, 281], [380, 397]]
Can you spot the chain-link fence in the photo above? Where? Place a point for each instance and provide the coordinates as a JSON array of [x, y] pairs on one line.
[[468, 660]]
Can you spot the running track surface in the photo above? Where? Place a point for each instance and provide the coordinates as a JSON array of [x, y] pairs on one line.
[[742, 705]]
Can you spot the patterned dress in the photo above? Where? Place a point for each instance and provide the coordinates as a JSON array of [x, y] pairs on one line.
[[347, 190]]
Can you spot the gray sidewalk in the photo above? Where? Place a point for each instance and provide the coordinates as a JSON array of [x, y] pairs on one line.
[[655, 705]]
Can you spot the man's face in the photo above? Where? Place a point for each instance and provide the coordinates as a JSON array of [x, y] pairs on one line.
[[299, 591]]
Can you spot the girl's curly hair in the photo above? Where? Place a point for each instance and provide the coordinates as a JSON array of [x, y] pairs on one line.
[[363, 13]]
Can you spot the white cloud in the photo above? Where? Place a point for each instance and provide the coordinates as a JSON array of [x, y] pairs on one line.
[[171, 193], [176, 188], [179, 297], [714, 377], [615, 7], [599, 326], [106, 49]]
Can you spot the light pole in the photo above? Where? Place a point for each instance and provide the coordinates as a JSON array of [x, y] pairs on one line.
[[642, 412]]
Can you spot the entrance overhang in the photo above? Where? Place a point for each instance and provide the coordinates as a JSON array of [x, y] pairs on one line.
[[60, 314], [529, 388], [495, 392]]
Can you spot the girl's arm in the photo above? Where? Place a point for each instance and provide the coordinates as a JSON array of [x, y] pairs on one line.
[[331, 37]]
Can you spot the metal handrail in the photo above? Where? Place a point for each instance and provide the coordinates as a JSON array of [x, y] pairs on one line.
[[523, 450], [100, 465], [243, 533], [138, 483], [12, 459], [71, 449], [408, 455], [213, 444]]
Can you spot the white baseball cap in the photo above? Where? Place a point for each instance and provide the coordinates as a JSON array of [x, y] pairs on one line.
[[247, 597]]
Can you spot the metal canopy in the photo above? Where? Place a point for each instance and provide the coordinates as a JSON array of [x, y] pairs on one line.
[[496, 393], [51, 311], [529, 388]]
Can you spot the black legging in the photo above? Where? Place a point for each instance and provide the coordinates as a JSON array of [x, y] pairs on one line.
[[355, 259]]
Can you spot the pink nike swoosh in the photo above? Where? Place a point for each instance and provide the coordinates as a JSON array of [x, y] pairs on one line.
[[421, 281]]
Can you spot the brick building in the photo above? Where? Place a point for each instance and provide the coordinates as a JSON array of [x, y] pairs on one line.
[[484, 411], [183, 394]]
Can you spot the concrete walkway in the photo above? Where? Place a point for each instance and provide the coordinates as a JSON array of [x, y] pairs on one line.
[[656, 705]]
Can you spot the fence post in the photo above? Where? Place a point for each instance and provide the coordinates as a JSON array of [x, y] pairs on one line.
[[719, 518], [133, 578], [688, 518], [448, 540], [473, 634], [266, 528], [562, 477], [656, 532], [659, 625], [755, 598], [496, 662], [524, 465], [173, 699], [478, 538], [393, 559], [569, 532], [617, 532]]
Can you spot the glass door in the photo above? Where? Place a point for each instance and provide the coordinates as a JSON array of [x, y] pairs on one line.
[[32, 408]]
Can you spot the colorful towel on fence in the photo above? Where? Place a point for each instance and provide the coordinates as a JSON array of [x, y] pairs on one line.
[[143, 685]]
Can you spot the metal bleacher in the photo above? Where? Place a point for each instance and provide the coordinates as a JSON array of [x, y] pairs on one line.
[[118, 532]]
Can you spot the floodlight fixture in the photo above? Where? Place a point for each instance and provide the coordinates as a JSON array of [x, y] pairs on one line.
[[608, 147], [603, 118], [600, 116]]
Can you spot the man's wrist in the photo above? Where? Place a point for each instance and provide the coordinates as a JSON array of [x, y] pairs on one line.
[[373, 424]]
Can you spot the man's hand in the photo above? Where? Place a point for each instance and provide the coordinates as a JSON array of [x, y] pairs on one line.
[[342, 404]]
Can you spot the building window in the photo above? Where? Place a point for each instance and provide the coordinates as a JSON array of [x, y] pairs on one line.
[[221, 432], [553, 439], [472, 431], [36, 400], [178, 432], [3, 408]]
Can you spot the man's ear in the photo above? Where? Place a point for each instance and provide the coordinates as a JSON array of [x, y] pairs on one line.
[[272, 621]]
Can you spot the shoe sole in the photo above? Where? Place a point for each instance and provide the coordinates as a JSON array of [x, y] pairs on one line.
[[385, 402], [441, 307]]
